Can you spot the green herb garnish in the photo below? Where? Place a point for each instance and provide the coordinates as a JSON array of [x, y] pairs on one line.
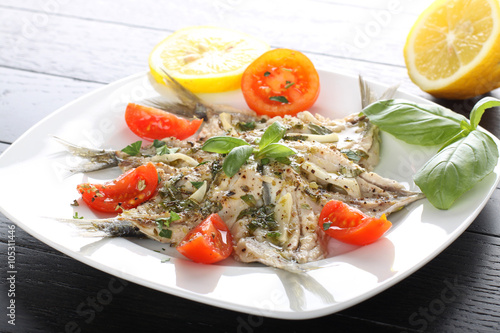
[[197, 185], [266, 74], [222, 144], [164, 222], [466, 156], [354, 155], [249, 200], [273, 134], [281, 99], [248, 126], [239, 151], [319, 130], [289, 84], [167, 233], [235, 159], [133, 149], [274, 235], [158, 143], [77, 217]]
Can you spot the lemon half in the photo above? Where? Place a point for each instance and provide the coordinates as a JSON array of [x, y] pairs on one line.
[[205, 59], [453, 49]]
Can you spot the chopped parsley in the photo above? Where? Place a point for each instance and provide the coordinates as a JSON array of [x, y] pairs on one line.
[[249, 200], [318, 129], [281, 99], [77, 217], [133, 149], [248, 126], [164, 222], [197, 185]]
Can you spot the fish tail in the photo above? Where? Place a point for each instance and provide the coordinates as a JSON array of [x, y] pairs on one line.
[[111, 227], [94, 159], [368, 96], [190, 105]]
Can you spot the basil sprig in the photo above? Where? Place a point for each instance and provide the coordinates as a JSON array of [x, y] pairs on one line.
[[467, 155], [239, 151]]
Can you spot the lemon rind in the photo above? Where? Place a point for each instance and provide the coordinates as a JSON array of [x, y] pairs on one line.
[[431, 85]]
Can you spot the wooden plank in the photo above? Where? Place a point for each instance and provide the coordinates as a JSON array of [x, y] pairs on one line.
[[455, 292], [122, 59], [488, 220], [371, 23], [46, 94], [39, 30]]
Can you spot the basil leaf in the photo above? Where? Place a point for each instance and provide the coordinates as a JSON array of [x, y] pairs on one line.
[[457, 168], [222, 144], [479, 108], [133, 149], [281, 99], [275, 150], [273, 134], [414, 123], [235, 159]]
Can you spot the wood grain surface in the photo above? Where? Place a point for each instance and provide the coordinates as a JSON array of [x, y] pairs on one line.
[[54, 51]]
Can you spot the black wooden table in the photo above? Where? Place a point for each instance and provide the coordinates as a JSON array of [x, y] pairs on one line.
[[53, 51]]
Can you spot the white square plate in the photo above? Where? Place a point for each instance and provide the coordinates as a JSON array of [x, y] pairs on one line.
[[35, 186]]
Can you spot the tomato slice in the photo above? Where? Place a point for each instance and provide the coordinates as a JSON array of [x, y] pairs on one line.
[[280, 82], [209, 242], [125, 192], [349, 225], [155, 124]]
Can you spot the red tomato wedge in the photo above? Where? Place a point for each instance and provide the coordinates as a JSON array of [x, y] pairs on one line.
[[351, 226], [280, 82], [125, 192], [209, 242], [155, 124]]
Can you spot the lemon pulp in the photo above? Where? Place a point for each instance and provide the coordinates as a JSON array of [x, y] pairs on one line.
[[205, 59], [453, 50]]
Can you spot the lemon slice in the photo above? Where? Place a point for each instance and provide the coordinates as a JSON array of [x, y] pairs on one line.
[[205, 59], [453, 49]]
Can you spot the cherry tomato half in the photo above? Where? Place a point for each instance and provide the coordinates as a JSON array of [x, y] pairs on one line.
[[280, 82], [125, 192], [151, 123], [209, 242], [351, 226]]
